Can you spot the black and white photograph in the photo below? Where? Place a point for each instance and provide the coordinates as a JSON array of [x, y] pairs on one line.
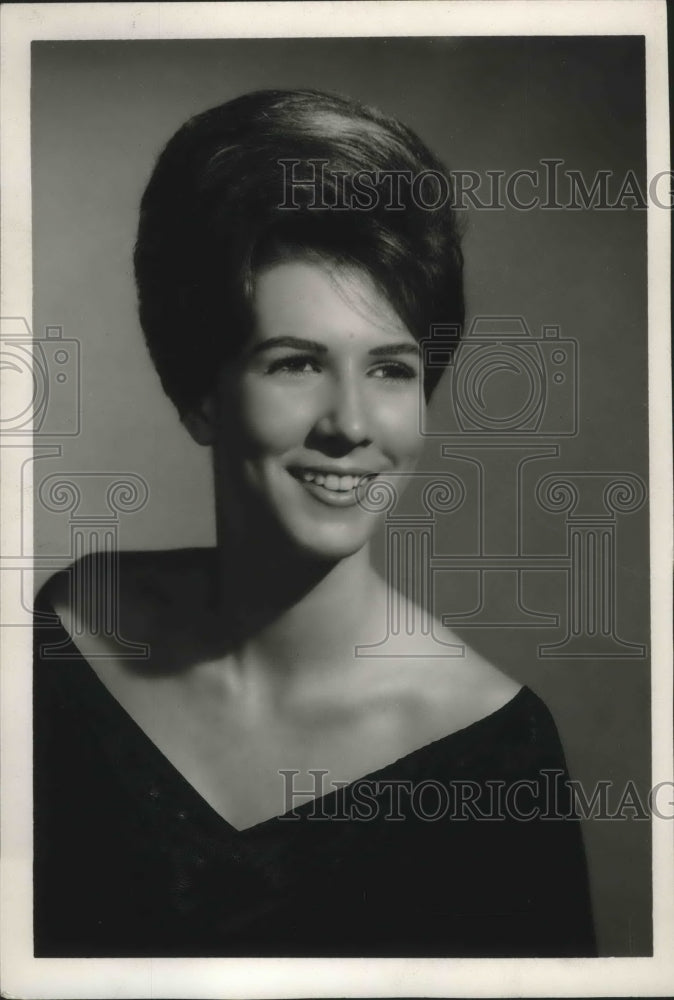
[[336, 542]]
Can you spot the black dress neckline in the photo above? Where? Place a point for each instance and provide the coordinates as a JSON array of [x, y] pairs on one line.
[[131, 861], [100, 698]]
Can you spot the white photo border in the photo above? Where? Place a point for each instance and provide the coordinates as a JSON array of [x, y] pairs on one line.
[[25, 976]]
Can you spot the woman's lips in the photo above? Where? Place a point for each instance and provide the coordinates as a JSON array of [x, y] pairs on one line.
[[331, 481], [334, 488]]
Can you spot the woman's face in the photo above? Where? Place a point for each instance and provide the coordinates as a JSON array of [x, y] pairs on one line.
[[327, 392]]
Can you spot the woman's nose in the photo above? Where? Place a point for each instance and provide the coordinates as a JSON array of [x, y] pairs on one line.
[[346, 413]]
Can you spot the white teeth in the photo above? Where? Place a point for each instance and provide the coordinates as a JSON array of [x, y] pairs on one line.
[[331, 480]]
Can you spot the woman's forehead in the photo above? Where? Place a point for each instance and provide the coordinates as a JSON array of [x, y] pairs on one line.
[[302, 296]]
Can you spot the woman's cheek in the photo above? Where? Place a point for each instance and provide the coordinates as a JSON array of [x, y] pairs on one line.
[[277, 416], [399, 428]]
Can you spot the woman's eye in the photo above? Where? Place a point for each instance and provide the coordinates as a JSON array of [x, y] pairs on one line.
[[394, 371], [293, 365]]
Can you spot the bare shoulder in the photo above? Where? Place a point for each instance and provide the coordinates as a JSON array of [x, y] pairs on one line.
[[137, 594], [447, 693]]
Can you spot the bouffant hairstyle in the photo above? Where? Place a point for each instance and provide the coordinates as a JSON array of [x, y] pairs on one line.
[[276, 174]]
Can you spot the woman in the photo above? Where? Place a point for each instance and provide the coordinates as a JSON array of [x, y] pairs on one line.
[[284, 288]]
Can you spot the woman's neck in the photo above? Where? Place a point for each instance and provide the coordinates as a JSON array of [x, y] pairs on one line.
[[291, 615]]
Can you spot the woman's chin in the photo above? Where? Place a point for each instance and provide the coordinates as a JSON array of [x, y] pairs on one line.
[[331, 545]]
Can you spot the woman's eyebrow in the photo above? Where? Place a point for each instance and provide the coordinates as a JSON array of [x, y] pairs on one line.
[[387, 349], [300, 344], [296, 342]]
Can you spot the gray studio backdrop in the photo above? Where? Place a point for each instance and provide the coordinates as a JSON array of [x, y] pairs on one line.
[[100, 113]]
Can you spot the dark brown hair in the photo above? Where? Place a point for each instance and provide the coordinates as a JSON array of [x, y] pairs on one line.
[[227, 194]]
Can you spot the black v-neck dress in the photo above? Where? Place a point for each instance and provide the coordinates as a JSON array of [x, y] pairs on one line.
[[129, 860]]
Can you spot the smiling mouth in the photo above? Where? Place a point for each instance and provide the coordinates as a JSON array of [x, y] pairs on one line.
[[332, 486]]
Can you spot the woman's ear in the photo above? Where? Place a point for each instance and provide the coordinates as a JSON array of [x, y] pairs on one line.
[[201, 421]]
